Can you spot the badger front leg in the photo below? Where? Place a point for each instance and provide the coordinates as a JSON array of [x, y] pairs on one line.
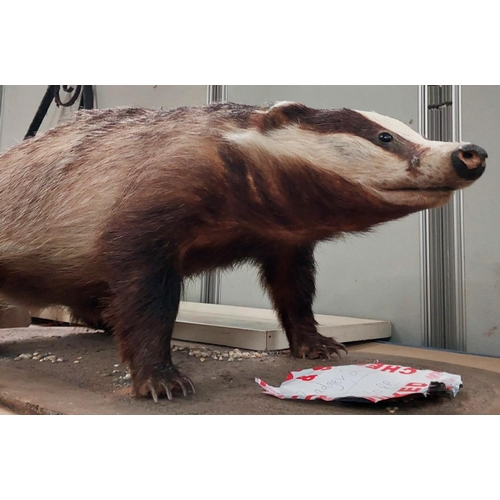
[[145, 295], [289, 277]]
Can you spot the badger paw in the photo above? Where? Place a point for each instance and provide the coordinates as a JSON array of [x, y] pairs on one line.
[[167, 384], [317, 347]]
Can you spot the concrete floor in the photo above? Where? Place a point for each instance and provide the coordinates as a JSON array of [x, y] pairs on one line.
[[96, 384]]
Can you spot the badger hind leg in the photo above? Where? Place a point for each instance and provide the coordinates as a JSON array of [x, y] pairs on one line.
[[289, 277], [145, 293], [90, 314]]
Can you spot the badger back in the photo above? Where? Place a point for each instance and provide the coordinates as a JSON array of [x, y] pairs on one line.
[[59, 189]]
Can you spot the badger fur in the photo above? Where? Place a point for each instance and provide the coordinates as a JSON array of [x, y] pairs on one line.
[[108, 213]]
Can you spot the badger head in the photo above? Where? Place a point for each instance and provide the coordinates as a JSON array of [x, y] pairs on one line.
[[419, 172], [381, 155]]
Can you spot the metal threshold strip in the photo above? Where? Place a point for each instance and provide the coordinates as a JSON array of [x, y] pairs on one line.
[[259, 329]]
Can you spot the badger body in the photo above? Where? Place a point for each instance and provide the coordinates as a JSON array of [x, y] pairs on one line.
[[108, 213]]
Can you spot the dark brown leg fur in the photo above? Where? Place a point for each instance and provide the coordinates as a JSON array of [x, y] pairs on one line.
[[145, 294], [289, 277], [91, 315]]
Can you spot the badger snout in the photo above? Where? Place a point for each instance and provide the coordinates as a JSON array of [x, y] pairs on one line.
[[469, 161]]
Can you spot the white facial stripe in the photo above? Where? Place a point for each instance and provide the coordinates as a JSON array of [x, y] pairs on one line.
[[358, 160], [350, 156], [393, 125]]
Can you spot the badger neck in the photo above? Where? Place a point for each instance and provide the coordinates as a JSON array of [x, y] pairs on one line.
[[299, 201]]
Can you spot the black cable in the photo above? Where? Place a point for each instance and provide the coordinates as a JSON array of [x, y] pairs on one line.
[[52, 93], [42, 111], [87, 101], [67, 89]]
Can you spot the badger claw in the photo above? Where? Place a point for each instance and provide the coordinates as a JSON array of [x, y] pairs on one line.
[[188, 380], [153, 392], [164, 386], [168, 392], [183, 387], [314, 346]]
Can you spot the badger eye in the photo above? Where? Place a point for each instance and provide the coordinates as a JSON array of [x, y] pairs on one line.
[[385, 137]]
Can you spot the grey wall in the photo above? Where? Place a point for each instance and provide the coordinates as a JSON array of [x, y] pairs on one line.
[[20, 103], [375, 276], [481, 125], [150, 96]]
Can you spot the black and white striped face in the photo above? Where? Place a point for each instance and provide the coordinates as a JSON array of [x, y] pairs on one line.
[[380, 154], [420, 171]]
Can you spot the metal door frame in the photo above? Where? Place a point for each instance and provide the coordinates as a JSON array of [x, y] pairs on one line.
[[442, 235], [211, 281]]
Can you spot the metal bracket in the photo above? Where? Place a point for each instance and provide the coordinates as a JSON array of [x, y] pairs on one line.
[[53, 94], [442, 245], [211, 281]]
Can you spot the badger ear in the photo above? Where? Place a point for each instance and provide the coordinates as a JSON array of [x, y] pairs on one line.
[[283, 113]]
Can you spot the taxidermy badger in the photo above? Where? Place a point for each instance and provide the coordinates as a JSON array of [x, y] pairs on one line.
[[107, 213]]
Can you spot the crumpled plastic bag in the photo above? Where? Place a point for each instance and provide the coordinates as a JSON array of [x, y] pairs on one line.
[[363, 383]]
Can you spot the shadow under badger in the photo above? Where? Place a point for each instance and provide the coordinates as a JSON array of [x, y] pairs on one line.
[[107, 213]]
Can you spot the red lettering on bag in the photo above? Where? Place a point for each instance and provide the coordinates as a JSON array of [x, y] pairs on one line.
[[412, 387], [390, 368], [407, 371]]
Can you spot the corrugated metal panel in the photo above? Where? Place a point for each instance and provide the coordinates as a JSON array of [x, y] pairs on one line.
[[444, 324]]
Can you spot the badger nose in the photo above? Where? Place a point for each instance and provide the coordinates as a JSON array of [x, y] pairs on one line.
[[469, 161]]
